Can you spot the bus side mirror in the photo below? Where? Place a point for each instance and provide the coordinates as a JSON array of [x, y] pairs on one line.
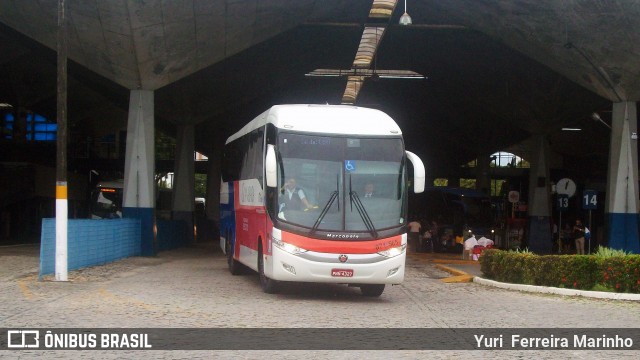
[[271, 167], [418, 172]]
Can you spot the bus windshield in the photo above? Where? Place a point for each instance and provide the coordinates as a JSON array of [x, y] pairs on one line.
[[106, 203], [341, 183]]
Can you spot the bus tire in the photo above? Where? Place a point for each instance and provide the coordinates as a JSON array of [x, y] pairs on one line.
[[235, 268], [269, 286], [372, 290]]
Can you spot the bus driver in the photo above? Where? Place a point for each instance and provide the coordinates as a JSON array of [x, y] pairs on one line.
[[294, 197]]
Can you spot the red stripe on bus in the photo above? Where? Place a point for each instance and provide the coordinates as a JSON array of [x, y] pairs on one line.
[[342, 247]]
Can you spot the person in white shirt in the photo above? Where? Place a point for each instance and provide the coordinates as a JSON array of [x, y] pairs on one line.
[[414, 234], [294, 196]]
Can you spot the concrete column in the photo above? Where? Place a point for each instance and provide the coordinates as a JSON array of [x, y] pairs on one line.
[[622, 184], [184, 180], [213, 191], [539, 237], [139, 167], [214, 174], [483, 174]]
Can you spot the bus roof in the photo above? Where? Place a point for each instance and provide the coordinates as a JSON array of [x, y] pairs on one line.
[[327, 119], [115, 184]]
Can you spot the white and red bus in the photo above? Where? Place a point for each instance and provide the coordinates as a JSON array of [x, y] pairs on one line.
[[326, 227]]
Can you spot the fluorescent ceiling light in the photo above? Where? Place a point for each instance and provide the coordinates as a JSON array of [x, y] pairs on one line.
[[5, 105], [571, 129], [316, 74], [399, 76], [383, 74]]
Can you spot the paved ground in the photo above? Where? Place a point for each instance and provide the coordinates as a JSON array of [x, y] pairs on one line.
[[192, 288]]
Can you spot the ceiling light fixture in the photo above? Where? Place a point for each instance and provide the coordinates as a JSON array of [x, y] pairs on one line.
[[405, 19], [571, 129], [382, 74], [5, 105]]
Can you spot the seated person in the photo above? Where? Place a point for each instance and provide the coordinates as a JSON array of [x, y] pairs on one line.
[[293, 197], [369, 190]]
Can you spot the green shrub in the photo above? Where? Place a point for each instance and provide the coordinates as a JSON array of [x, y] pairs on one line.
[[547, 270], [488, 262], [620, 273], [605, 252], [579, 272], [600, 287], [607, 269]]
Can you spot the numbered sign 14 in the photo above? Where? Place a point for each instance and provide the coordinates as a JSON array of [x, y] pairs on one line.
[[590, 200]]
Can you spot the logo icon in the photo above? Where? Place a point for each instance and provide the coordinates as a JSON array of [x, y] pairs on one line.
[[343, 258], [22, 339], [350, 165]]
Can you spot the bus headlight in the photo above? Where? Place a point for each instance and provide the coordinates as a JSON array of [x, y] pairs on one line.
[[393, 251], [292, 249]]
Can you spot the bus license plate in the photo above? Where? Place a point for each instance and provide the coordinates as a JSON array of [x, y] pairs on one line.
[[341, 272]]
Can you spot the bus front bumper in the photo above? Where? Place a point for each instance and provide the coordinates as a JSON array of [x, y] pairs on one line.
[[327, 268]]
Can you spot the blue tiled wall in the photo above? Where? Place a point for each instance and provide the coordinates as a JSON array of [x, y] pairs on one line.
[[90, 242], [146, 218]]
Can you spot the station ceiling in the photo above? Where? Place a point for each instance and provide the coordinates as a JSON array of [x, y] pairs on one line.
[[497, 71]]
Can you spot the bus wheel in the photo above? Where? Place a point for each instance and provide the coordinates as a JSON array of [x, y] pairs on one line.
[[372, 290], [269, 286], [234, 266]]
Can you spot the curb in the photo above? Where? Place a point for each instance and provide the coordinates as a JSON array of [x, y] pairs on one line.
[[460, 276], [557, 291], [459, 262], [458, 279]]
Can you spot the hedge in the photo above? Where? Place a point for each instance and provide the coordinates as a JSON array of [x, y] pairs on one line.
[[584, 272]]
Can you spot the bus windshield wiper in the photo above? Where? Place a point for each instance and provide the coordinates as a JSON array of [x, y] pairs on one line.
[[325, 209], [354, 198], [327, 206]]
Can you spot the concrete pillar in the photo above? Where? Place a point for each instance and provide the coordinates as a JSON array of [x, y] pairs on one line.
[[139, 167], [184, 180], [539, 236], [483, 174], [213, 191], [622, 179]]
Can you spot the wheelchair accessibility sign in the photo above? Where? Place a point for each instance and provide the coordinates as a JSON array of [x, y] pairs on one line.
[[350, 165]]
